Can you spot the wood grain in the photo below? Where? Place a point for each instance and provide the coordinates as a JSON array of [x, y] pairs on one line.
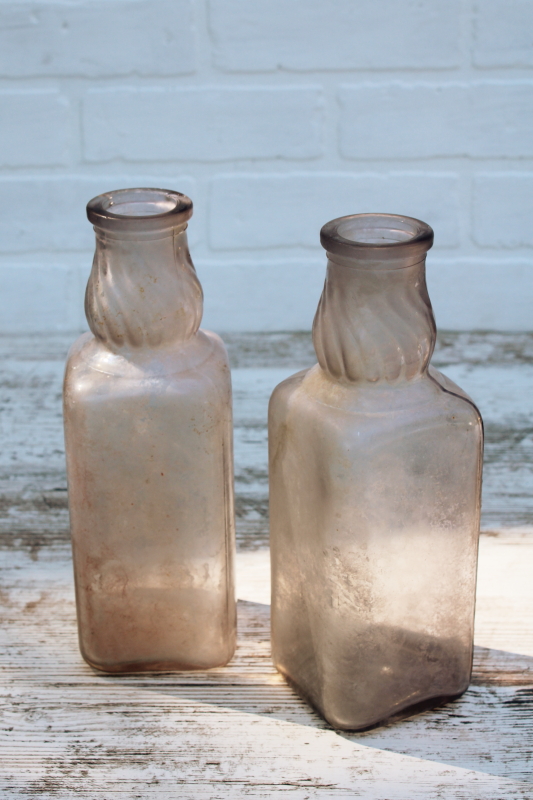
[[241, 729], [240, 732]]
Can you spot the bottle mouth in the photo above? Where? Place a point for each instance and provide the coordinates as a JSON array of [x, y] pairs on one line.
[[139, 210], [376, 236]]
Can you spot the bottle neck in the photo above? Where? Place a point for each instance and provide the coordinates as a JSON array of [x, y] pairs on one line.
[[143, 291], [374, 321]]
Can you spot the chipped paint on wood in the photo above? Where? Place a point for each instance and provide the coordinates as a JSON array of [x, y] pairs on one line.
[[240, 731]]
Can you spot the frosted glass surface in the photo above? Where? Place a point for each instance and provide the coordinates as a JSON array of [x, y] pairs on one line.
[[147, 404], [375, 477]]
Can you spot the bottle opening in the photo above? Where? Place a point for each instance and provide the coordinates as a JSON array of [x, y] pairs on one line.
[[127, 208], [376, 235], [358, 231], [141, 204]]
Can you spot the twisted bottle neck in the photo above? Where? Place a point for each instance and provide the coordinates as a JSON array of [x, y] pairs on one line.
[[143, 291], [374, 323]]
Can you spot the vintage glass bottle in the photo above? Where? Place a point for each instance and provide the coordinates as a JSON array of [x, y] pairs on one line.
[[375, 478], [148, 429]]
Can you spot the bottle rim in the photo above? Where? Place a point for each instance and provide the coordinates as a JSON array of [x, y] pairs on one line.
[[139, 209], [376, 236]]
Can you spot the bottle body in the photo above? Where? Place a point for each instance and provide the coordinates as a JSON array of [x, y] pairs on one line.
[[374, 518], [150, 474], [374, 531]]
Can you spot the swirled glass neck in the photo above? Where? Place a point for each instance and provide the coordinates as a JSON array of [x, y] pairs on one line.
[[143, 291], [374, 324]]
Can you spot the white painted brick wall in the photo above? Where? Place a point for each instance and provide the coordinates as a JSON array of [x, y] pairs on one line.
[[503, 210], [34, 128], [96, 39], [275, 116], [202, 124], [46, 214], [503, 33], [415, 120], [264, 211], [313, 35]]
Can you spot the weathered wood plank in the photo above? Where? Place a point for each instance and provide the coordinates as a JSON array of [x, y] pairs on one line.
[[209, 754], [66, 730], [497, 369], [67, 718]]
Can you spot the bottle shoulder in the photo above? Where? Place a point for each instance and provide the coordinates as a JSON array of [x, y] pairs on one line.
[[462, 400], [285, 390], [311, 393], [200, 364]]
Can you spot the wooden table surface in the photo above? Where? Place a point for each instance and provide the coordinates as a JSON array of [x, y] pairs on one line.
[[241, 732]]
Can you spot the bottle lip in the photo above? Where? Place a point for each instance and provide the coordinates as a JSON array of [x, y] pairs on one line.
[[142, 209], [376, 236]]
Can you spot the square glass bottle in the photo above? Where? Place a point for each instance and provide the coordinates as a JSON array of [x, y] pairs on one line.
[[148, 428], [375, 481]]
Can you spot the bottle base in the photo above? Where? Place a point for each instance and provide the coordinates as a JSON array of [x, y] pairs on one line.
[[129, 667], [410, 710]]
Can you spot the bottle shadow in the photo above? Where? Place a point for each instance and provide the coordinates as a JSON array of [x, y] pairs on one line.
[[486, 729], [501, 681]]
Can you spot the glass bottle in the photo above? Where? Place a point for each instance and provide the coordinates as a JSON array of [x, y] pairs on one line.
[[148, 429], [375, 479]]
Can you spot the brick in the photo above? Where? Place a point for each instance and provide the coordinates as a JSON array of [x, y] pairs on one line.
[[94, 38], [36, 298], [423, 120], [503, 33], [261, 296], [472, 293], [48, 214], [35, 129], [288, 210], [339, 34], [503, 209], [207, 124]]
